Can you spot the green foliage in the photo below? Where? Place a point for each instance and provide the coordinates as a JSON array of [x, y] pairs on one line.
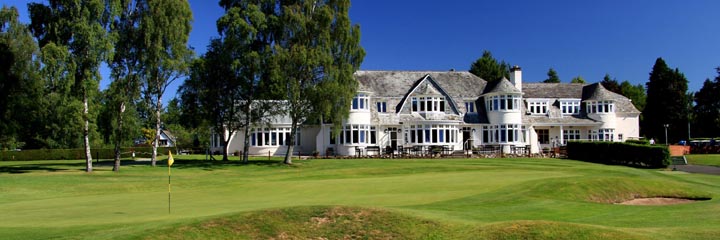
[[639, 141], [317, 51], [618, 153], [666, 104], [552, 76], [707, 108], [611, 84], [578, 79], [636, 93], [489, 69]]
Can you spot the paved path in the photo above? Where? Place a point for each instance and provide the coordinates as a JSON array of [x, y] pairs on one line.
[[698, 169]]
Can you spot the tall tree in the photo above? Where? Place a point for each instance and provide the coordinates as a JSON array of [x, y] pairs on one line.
[[165, 55], [20, 85], [578, 79], [79, 25], [636, 93], [611, 84], [666, 103], [489, 69], [707, 108], [126, 67], [317, 53], [552, 76], [244, 52]]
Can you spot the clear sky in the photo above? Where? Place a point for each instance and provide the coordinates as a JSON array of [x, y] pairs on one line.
[[587, 38]]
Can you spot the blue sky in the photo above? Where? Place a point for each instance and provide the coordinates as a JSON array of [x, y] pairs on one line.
[[586, 38]]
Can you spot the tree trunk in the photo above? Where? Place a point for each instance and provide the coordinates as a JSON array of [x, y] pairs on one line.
[[291, 142], [226, 144], [246, 145], [86, 133], [158, 108], [118, 137]]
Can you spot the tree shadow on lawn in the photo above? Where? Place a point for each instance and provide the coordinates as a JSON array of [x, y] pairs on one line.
[[211, 165], [20, 169]]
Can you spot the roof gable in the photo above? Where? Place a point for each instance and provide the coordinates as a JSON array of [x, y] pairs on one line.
[[426, 86]]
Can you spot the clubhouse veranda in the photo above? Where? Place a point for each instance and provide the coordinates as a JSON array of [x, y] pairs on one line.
[[405, 111]]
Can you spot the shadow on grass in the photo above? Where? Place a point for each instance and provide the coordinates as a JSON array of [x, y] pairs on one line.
[[210, 165], [207, 165]]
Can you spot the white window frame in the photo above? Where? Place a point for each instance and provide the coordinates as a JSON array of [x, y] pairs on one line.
[[431, 134], [570, 106], [381, 107], [600, 107], [470, 106], [509, 103], [570, 135], [538, 106], [423, 104], [503, 134], [361, 102], [271, 137]]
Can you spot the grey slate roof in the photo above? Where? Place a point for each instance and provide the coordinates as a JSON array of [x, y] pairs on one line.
[[503, 86], [596, 92], [398, 83], [553, 90]]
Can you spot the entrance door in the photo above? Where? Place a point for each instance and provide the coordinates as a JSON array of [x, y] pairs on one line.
[[393, 140], [465, 137]]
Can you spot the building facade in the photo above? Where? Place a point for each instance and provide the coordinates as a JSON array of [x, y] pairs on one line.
[[402, 110]]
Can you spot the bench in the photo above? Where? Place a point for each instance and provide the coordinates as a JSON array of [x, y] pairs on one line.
[[375, 149]]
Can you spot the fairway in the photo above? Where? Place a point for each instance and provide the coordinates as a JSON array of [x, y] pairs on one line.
[[55, 199]]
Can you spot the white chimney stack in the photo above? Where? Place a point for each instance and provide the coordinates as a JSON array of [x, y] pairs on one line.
[[516, 77]]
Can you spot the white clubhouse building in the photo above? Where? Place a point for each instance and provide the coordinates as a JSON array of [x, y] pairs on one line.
[[403, 111]]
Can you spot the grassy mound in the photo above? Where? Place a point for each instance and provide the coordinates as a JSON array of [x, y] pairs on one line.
[[548, 230], [615, 189], [313, 223]]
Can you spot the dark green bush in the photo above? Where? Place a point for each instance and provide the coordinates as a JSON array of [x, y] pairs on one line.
[[618, 153], [77, 153], [638, 141]]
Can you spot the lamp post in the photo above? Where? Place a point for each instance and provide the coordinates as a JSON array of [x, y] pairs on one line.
[[666, 127]]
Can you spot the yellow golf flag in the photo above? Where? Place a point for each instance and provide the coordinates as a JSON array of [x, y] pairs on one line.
[[170, 159]]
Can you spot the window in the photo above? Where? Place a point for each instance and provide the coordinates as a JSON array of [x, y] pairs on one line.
[[538, 106], [600, 107], [381, 107], [571, 135], [432, 134], [361, 102], [503, 133], [357, 134], [606, 134], [271, 137], [569, 107], [470, 107], [543, 135], [503, 103], [428, 104]]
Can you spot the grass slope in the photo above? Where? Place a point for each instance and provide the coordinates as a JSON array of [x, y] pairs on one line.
[[535, 198], [704, 159]]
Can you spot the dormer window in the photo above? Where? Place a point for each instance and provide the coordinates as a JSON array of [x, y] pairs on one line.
[[361, 102], [600, 107], [503, 103], [570, 106], [428, 104], [538, 107], [470, 106], [382, 107]]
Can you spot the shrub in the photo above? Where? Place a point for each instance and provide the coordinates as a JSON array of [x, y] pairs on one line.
[[77, 153], [617, 153], [638, 141]]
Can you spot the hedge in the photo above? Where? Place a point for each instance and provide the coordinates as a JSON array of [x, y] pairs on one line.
[[618, 153], [77, 153]]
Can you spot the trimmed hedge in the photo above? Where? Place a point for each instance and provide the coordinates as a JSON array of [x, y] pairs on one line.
[[618, 153], [641, 142], [77, 153]]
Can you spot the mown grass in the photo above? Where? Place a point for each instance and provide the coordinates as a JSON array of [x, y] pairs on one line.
[[429, 199], [704, 159]]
